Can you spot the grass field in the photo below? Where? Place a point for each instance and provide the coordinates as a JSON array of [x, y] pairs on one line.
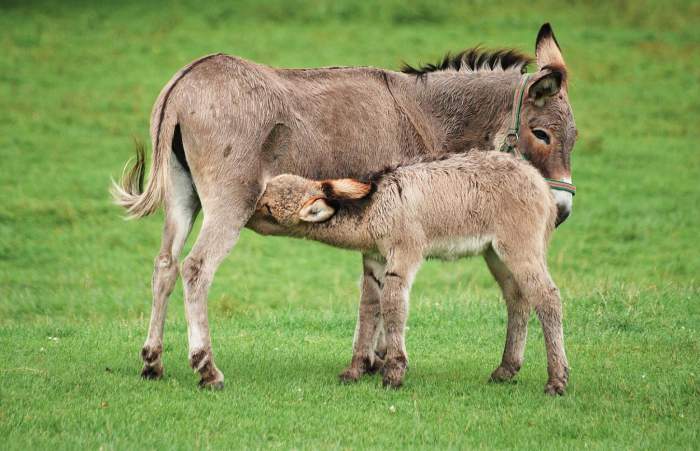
[[77, 82]]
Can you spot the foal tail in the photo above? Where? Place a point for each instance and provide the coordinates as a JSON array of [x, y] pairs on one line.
[[129, 192]]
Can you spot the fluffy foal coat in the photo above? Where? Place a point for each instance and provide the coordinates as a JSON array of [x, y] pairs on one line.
[[479, 203]]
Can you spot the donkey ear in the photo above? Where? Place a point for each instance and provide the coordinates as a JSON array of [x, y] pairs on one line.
[[316, 211], [345, 189], [547, 50], [546, 85]]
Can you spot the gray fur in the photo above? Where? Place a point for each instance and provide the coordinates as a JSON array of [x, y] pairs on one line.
[[242, 123]]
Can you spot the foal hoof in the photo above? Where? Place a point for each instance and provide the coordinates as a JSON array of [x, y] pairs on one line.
[[376, 366], [213, 386], [392, 383], [152, 372], [393, 372], [350, 375]]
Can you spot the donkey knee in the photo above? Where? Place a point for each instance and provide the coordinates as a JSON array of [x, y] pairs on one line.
[[192, 270], [164, 274], [164, 260], [549, 299]]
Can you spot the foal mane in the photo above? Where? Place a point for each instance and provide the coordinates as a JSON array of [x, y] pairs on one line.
[[474, 60]]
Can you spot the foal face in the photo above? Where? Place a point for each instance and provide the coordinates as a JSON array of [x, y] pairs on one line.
[[286, 196], [289, 199]]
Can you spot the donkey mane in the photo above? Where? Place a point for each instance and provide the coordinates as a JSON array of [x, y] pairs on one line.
[[473, 60]]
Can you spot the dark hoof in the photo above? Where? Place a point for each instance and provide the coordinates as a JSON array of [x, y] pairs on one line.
[[152, 372], [350, 375], [376, 366], [151, 355], [502, 374], [390, 383], [555, 388], [213, 386], [359, 366], [393, 372], [210, 376]]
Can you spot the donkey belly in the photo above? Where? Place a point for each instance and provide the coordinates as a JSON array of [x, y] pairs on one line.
[[457, 247]]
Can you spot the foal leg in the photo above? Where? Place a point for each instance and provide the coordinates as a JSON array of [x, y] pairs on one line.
[[181, 207], [518, 316], [398, 278], [537, 287], [379, 344], [368, 319]]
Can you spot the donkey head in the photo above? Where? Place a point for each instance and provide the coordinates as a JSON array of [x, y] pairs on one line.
[[547, 128], [290, 199]]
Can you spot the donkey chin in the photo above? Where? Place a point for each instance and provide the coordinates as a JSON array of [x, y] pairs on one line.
[[564, 201]]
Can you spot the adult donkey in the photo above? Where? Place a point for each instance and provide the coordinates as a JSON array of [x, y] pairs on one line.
[[222, 126]]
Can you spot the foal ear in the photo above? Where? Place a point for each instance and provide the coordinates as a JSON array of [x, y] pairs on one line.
[[345, 189], [546, 85], [317, 210], [547, 50]]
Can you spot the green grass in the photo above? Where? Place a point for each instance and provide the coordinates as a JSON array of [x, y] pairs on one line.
[[77, 82]]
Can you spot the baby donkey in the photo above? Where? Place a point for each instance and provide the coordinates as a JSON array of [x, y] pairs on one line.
[[479, 203]]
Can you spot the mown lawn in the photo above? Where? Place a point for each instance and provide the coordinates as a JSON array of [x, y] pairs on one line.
[[77, 82]]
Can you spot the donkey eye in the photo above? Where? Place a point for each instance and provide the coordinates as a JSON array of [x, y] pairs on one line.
[[541, 135]]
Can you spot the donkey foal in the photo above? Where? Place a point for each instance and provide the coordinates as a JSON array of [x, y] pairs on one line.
[[484, 203]]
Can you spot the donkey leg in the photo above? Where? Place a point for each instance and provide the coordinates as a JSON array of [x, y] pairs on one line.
[[224, 217], [538, 288], [368, 318], [398, 278], [181, 208], [518, 315]]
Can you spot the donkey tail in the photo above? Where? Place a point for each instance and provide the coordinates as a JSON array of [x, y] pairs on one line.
[[129, 192]]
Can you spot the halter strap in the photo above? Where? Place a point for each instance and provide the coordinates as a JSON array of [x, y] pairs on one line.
[[561, 186], [510, 143]]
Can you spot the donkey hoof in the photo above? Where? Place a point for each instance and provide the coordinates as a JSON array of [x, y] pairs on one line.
[[502, 374], [151, 354], [554, 388], [152, 372]]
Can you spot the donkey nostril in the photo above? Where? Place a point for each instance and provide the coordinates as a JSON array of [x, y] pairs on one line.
[[562, 214]]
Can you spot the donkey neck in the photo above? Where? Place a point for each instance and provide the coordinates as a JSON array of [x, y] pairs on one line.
[[470, 109]]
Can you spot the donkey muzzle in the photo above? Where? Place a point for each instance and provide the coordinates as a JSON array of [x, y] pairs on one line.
[[564, 202]]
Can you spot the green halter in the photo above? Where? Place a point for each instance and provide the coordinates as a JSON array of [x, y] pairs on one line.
[[510, 143]]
